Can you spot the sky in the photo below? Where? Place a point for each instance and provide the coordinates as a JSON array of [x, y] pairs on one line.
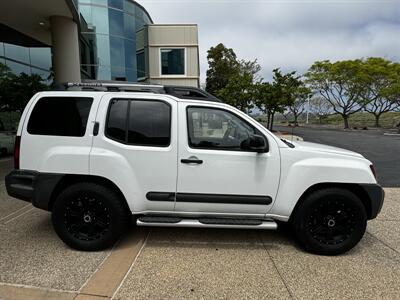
[[287, 34]]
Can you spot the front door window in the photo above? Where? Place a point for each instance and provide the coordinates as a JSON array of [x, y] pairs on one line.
[[217, 129]]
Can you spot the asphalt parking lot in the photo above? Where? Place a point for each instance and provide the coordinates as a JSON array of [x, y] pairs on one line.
[[381, 149], [164, 263]]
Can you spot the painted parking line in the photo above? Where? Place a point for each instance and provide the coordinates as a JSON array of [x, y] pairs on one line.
[[106, 280], [19, 212], [89, 297], [22, 292]]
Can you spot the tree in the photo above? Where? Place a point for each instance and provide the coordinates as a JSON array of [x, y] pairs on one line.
[[223, 65], [340, 84], [276, 96], [16, 90], [5, 72], [393, 94], [23, 88], [230, 79], [5, 75], [301, 96], [266, 100], [239, 91], [379, 79], [252, 67], [320, 107]]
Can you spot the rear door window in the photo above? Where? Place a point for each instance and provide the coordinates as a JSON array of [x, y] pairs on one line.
[[139, 122], [60, 116], [149, 123], [117, 121]]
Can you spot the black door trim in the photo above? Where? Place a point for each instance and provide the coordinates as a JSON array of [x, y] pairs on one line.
[[223, 198], [160, 196], [209, 198]]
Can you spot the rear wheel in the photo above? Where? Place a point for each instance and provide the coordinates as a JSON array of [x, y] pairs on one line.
[[329, 221], [88, 216]]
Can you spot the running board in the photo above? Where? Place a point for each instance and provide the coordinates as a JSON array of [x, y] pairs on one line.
[[206, 222]]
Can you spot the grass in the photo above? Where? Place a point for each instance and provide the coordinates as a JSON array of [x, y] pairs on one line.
[[363, 119], [360, 119]]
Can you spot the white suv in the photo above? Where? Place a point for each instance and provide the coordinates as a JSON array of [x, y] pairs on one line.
[[176, 156]]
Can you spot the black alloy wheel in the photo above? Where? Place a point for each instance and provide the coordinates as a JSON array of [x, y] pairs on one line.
[[86, 217], [89, 216], [329, 221], [332, 222]]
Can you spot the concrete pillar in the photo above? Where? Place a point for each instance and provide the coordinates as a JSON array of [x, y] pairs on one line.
[[65, 44]]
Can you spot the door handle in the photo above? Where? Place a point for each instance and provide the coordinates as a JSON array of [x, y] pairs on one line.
[[191, 160], [96, 128]]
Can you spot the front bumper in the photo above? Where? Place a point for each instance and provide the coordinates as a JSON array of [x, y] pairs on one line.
[[32, 186], [376, 195]]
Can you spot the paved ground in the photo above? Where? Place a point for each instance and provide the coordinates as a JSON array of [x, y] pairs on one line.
[[192, 263], [381, 149]]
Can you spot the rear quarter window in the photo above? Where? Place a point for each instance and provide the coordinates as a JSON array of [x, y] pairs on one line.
[[60, 116]]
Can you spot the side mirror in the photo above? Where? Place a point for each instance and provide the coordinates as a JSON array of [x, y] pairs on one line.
[[255, 143]]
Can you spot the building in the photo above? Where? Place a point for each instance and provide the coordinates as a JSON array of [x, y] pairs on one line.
[[168, 54], [36, 36], [95, 39], [108, 38]]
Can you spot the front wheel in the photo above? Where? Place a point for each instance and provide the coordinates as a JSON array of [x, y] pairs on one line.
[[88, 216], [329, 221]]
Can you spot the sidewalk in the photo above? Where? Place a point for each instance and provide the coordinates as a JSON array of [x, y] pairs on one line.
[[167, 263]]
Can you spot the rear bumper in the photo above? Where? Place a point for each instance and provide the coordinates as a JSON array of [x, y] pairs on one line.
[[376, 195], [32, 186]]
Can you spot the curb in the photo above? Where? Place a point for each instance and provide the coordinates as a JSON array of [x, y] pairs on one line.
[[391, 134], [290, 137]]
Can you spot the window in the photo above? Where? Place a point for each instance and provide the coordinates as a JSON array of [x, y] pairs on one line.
[[116, 123], [116, 19], [172, 61], [141, 65], [60, 116], [16, 52], [116, 4], [139, 122], [149, 123], [217, 129], [40, 57], [18, 68]]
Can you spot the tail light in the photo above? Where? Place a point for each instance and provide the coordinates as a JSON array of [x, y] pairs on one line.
[[17, 149], [373, 170]]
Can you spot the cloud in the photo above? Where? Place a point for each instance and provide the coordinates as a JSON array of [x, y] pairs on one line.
[[288, 34]]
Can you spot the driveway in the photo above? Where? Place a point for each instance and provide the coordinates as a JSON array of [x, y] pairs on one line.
[[382, 150], [167, 263]]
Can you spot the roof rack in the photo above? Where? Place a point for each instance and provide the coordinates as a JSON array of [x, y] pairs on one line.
[[182, 92], [188, 92], [115, 87]]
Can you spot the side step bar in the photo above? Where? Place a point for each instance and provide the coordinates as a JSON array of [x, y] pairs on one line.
[[206, 222]]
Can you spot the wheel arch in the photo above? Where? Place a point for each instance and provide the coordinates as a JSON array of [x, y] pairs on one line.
[[70, 179], [355, 188]]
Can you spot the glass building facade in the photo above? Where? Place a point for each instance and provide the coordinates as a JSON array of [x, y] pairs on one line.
[[35, 60], [107, 43], [108, 38]]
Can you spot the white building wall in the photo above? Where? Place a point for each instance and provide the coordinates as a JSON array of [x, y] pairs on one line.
[[156, 37]]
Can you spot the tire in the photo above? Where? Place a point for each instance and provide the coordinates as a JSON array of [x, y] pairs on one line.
[[89, 217], [329, 221]]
